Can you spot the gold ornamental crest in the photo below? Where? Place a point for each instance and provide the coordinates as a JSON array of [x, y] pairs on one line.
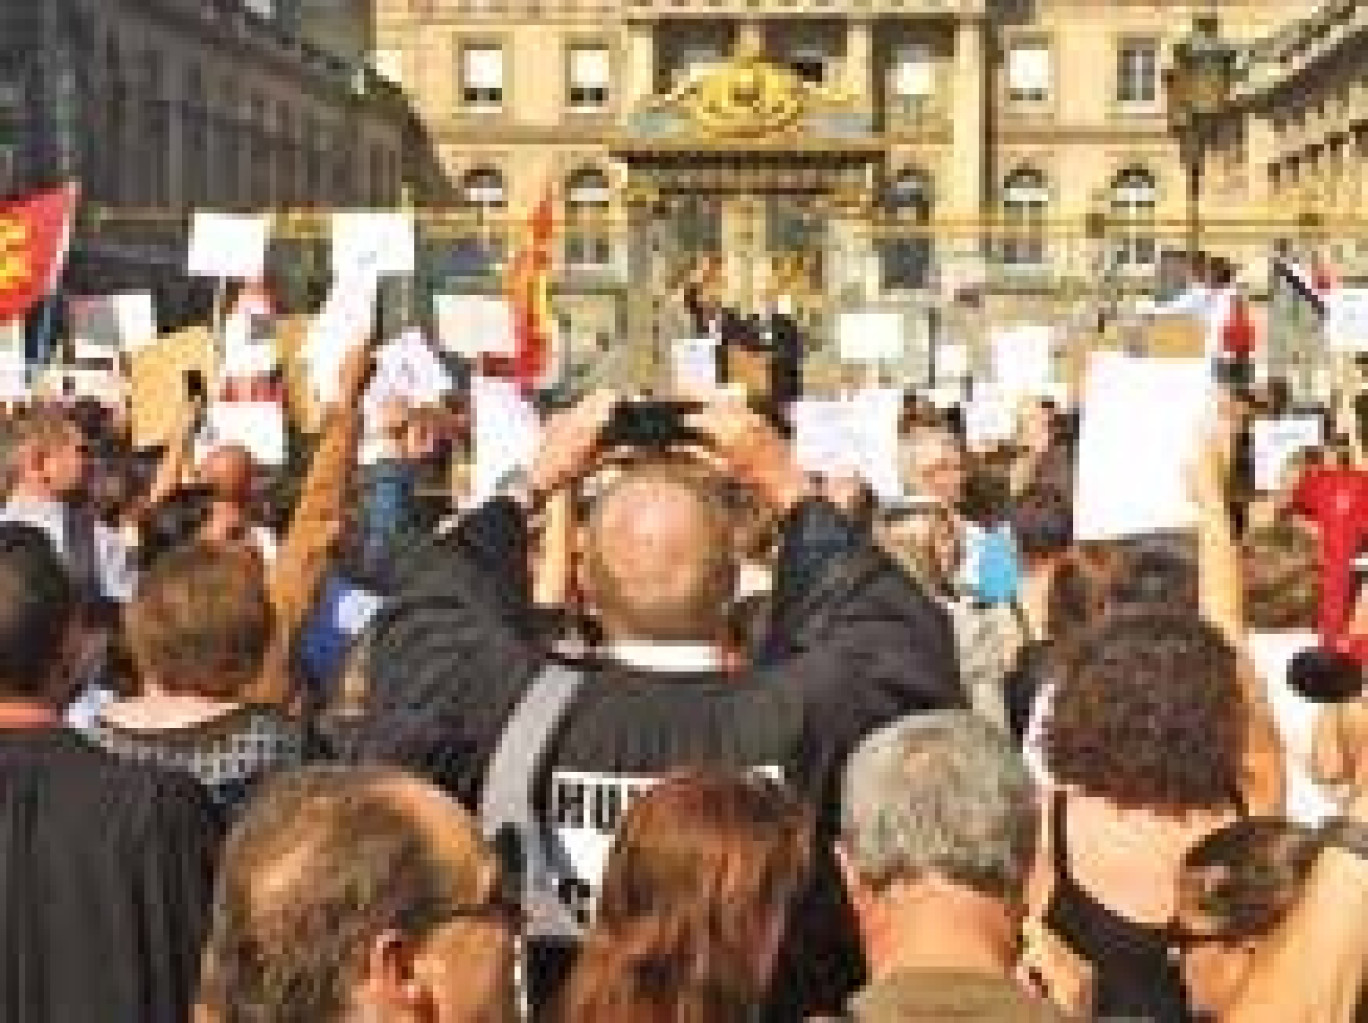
[[750, 99]]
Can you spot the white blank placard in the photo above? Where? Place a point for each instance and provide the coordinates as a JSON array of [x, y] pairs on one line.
[[872, 336], [1276, 441], [259, 426], [370, 244], [228, 246], [1142, 427], [1346, 320], [473, 325]]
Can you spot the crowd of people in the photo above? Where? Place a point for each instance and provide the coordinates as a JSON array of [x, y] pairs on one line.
[[671, 729]]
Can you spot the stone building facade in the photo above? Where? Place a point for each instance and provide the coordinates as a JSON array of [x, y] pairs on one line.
[[963, 149], [159, 107]]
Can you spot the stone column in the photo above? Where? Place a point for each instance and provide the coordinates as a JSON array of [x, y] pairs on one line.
[[857, 76], [640, 60], [750, 36], [1260, 146], [644, 292], [964, 187]]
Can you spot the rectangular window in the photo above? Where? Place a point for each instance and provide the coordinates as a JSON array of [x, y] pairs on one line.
[[482, 77], [810, 63], [589, 73], [1137, 72], [1028, 72], [913, 74]]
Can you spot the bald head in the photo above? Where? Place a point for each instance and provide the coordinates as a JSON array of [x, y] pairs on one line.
[[659, 563], [228, 471]]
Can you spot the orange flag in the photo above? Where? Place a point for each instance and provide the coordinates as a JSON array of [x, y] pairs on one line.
[[34, 236], [528, 291]]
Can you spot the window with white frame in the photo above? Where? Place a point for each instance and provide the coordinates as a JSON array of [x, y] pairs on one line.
[[912, 74], [587, 198], [482, 76], [1137, 71], [1025, 202], [1028, 71], [589, 69], [1134, 196]]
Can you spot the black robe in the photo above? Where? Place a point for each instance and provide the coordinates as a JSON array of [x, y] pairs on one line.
[[106, 876]]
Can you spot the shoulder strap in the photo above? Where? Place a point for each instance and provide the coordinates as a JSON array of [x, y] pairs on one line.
[[508, 813]]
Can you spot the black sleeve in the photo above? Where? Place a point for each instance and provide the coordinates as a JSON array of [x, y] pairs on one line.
[[452, 652], [865, 643]]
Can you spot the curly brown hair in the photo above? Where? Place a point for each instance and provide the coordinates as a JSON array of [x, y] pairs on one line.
[[1149, 712]]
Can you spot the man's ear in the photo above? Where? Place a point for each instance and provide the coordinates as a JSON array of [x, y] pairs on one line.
[[389, 983]]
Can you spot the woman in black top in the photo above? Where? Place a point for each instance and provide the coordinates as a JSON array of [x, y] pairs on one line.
[[1144, 742]]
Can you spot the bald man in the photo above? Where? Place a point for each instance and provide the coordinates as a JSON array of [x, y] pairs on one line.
[[854, 644]]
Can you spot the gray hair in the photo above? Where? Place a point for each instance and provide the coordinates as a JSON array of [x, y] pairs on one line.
[[944, 794]]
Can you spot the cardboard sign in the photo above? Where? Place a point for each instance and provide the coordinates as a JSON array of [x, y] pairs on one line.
[[228, 246], [370, 245], [157, 382], [870, 336], [1142, 424], [474, 325], [259, 426], [1346, 320], [1276, 442]]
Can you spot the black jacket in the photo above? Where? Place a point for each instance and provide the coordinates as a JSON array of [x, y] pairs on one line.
[[854, 644]]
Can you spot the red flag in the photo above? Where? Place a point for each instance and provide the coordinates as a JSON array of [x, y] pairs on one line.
[[527, 287], [34, 235]]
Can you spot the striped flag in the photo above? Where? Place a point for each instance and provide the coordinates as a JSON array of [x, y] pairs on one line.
[[528, 289]]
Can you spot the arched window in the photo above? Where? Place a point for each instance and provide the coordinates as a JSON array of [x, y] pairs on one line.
[[906, 260], [1026, 202], [483, 187], [587, 197], [1134, 196]]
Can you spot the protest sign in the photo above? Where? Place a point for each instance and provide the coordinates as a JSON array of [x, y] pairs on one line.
[[12, 345], [136, 316], [249, 342], [406, 369], [693, 362], [855, 436], [259, 426], [474, 325], [870, 336], [369, 245], [94, 328], [507, 433], [952, 362], [157, 382], [1023, 359], [228, 246], [1142, 424], [1276, 442], [14, 385], [989, 417], [345, 321], [1346, 320]]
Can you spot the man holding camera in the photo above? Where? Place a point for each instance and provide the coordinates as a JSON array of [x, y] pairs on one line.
[[853, 643]]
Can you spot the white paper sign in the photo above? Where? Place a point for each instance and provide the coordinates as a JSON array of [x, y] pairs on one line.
[[14, 385], [12, 345], [952, 362], [989, 417], [370, 244], [870, 336], [249, 343], [856, 436], [1346, 320], [694, 364], [1142, 424], [259, 426], [228, 246], [137, 319], [473, 325], [507, 433], [1023, 359], [345, 321], [94, 328], [407, 369], [1276, 441]]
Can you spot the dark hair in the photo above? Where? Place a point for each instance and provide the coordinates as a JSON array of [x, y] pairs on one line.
[[1246, 877], [37, 603], [201, 621], [1042, 522], [1149, 712], [1148, 574], [987, 495], [325, 859], [701, 863], [174, 524]]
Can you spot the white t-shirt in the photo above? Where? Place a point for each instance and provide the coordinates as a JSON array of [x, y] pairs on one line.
[[1307, 802]]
